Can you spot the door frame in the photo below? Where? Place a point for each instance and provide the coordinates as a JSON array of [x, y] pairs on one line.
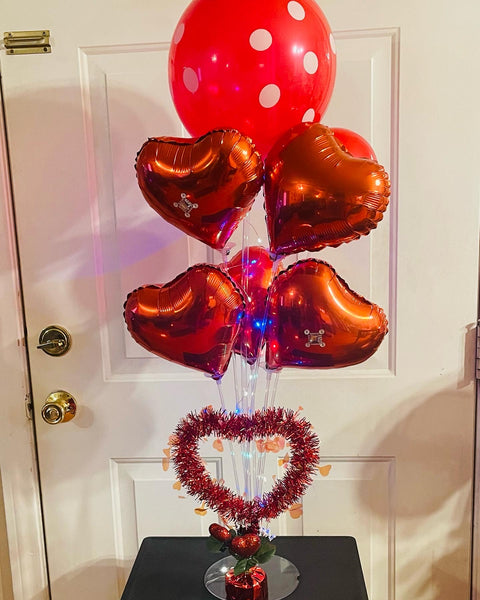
[[475, 574], [23, 565]]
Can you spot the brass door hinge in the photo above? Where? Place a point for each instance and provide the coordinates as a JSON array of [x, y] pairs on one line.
[[27, 42]]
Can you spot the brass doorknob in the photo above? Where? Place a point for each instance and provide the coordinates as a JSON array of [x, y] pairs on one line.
[[59, 407]]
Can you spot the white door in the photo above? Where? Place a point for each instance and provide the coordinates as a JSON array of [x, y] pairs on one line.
[[397, 431]]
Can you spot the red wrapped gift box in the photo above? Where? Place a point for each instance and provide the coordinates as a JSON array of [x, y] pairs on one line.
[[251, 585]]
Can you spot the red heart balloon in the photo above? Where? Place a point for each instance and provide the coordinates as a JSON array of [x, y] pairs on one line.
[[193, 320], [354, 143], [317, 321], [204, 186], [252, 271], [318, 195], [195, 478]]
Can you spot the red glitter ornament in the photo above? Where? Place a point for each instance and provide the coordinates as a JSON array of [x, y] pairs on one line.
[[265, 423], [220, 533], [245, 545]]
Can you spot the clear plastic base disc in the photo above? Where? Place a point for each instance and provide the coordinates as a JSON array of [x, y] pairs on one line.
[[282, 576]]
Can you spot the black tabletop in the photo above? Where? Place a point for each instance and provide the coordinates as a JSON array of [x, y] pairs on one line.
[[172, 568]]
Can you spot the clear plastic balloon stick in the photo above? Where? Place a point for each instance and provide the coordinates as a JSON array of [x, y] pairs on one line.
[[224, 252], [275, 377], [244, 374], [236, 381], [220, 394], [230, 445], [268, 402], [252, 373], [268, 381], [252, 380], [247, 461], [263, 330], [260, 471], [246, 446], [244, 279]]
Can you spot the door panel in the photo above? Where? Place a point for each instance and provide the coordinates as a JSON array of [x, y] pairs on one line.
[[396, 431]]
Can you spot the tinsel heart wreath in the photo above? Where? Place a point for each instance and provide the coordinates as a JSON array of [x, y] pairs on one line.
[[242, 427]]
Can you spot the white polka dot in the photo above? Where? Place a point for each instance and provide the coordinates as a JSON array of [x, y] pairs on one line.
[[269, 96], [190, 80], [179, 31], [260, 39], [332, 44], [309, 115], [310, 62], [296, 10]]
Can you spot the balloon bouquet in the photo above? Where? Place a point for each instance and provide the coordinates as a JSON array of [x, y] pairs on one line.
[[251, 81]]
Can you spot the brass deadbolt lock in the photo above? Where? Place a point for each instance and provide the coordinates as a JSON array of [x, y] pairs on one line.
[[54, 340], [59, 407]]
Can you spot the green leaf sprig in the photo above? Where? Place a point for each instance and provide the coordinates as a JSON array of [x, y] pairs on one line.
[[261, 556]]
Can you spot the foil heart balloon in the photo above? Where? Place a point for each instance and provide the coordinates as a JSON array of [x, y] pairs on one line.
[[252, 271], [317, 321], [242, 427], [354, 143], [318, 195], [193, 320], [204, 186]]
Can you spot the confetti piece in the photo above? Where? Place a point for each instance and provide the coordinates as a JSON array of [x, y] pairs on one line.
[[324, 470], [260, 445], [275, 444], [284, 461], [218, 445], [177, 485], [165, 463], [182, 497], [272, 446], [296, 511], [202, 511]]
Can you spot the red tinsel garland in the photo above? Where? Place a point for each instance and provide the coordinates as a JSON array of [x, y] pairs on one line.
[[244, 428]]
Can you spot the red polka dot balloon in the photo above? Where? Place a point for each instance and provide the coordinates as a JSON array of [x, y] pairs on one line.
[[258, 66]]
